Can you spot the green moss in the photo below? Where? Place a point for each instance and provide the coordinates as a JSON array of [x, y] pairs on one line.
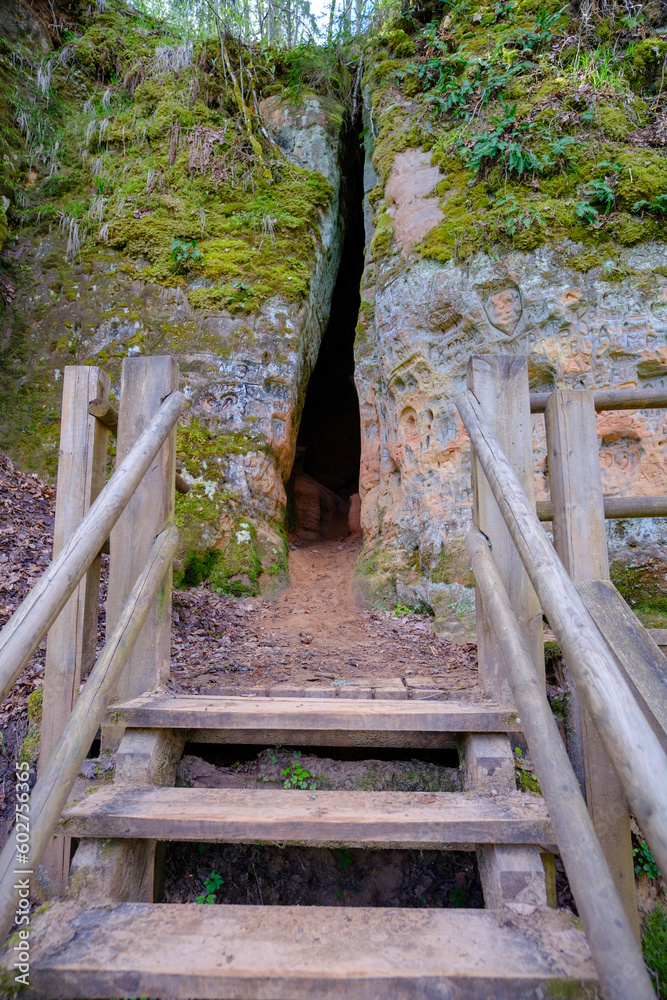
[[29, 750], [642, 585], [630, 230], [237, 567], [384, 232], [528, 782], [453, 566], [613, 122], [584, 261], [654, 947], [645, 63], [400, 44], [642, 177]]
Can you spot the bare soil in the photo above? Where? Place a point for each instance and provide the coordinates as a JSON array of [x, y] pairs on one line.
[[313, 633], [303, 876]]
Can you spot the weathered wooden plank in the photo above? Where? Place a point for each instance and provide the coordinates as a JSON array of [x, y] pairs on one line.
[[29, 624], [325, 738], [617, 956], [643, 663], [580, 540], [635, 752], [659, 636], [616, 507], [70, 651], [312, 714], [309, 817], [500, 384], [611, 399], [283, 952], [145, 384]]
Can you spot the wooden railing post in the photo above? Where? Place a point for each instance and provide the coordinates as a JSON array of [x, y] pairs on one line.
[[581, 542], [510, 875], [145, 383], [72, 639], [500, 383]]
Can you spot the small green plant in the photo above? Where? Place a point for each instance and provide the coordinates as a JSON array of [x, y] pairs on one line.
[[516, 217], [506, 144], [645, 863], [211, 885], [401, 609], [658, 204], [184, 253], [601, 192], [587, 212], [524, 771], [345, 859], [457, 896], [297, 776]]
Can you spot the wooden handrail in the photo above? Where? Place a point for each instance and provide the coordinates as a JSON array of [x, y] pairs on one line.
[[616, 507], [612, 399], [55, 783], [633, 749], [108, 415], [610, 936], [27, 627]]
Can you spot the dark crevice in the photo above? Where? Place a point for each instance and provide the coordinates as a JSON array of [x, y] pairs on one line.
[[326, 467]]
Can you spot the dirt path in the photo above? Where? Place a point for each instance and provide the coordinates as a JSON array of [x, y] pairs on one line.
[[313, 633]]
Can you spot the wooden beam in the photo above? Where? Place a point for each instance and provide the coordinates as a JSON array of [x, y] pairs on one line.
[[251, 816], [145, 383], [617, 507], [320, 715], [29, 624], [611, 399], [580, 540], [70, 652], [511, 875], [182, 486], [635, 752], [108, 416], [303, 953], [643, 664], [54, 784], [616, 954], [105, 412], [500, 384]]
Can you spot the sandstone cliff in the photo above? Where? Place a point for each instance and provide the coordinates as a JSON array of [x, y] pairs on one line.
[[160, 204], [516, 194]]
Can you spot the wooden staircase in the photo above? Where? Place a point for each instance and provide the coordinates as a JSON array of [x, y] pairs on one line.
[[105, 937], [131, 949]]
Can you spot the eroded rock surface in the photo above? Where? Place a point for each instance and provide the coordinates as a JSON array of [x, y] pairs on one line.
[[421, 322], [222, 251]]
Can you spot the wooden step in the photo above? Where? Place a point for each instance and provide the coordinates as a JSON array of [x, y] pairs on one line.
[[304, 953], [415, 819], [316, 721]]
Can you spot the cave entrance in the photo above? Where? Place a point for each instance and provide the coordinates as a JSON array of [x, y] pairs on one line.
[[323, 491]]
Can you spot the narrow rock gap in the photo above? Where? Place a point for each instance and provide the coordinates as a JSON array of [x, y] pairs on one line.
[[325, 475]]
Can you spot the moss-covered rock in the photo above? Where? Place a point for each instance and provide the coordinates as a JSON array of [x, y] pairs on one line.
[[163, 214], [645, 61], [29, 749], [613, 122]]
